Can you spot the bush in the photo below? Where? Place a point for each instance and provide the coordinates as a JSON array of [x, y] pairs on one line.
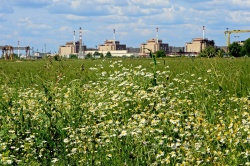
[[208, 52], [73, 56], [88, 56], [57, 57], [160, 53], [246, 48], [108, 55], [235, 49]]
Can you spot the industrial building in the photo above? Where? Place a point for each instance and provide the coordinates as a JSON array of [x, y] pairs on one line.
[[114, 47], [75, 47], [70, 48], [153, 45], [198, 44]]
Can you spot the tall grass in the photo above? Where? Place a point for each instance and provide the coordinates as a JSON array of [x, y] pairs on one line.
[[125, 112]]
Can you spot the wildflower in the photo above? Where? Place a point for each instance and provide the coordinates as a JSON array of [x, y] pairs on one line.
[[123, 133], [66, 140], [176, 129], [9, 161], [173, 154], [54, 160], [167, 160], [247, 163], [109, 155], [199, 162], [161, 153], [138, 67], [11, 131], [74, 150]]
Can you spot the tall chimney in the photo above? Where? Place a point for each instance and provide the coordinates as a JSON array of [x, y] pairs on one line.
[[114, 36], [157, 35], [74, 44], [203, 32], [80, 41]]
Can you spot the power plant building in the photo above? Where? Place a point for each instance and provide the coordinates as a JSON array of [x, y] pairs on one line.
[[198, 44], [70, 48], [153, 45], [112, 45]]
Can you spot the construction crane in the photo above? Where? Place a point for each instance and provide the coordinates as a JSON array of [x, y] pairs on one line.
[[228, 33], [8, 51]]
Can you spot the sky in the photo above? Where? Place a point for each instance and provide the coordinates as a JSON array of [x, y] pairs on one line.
[[48, 24]]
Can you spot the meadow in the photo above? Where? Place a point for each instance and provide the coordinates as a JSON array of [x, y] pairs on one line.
[[172, 111]]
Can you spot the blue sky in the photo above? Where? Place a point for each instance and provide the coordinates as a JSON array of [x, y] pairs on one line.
[[37, 23]]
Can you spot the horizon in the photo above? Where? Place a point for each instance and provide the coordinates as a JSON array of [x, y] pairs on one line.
[[37, 23]]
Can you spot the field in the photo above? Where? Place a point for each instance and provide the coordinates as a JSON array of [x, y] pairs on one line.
[[173, 111]]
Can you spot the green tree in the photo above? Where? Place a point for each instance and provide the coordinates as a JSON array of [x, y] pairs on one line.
[[101, 55], [243, 51], [220, 52], [89, 55], [96, 54], [235, 49], [246, 48], [57, 57], [73, 56], [208, 52], [160, 53], [108, 55]]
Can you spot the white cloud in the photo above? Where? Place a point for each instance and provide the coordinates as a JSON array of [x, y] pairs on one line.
[[72, 17], [240, 17], [65, 29], [28, 23], [242, 3], [151, 3]]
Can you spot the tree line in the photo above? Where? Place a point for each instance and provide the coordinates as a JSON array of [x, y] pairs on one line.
[[234, 49]]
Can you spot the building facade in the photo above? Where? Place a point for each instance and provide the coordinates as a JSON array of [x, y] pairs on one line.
[[112, 45], [70, 48], [198, 44], [153, 45]]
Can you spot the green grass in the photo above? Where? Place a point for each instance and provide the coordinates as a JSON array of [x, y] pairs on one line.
[[196, 112]]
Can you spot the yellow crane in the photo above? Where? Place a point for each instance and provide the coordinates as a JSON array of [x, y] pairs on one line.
[[228, 33]]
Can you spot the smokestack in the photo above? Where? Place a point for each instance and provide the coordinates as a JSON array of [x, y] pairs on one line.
[[74, 42], [203, 32], [114, 36], [74, 38], [157, 35], [80, 41]]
